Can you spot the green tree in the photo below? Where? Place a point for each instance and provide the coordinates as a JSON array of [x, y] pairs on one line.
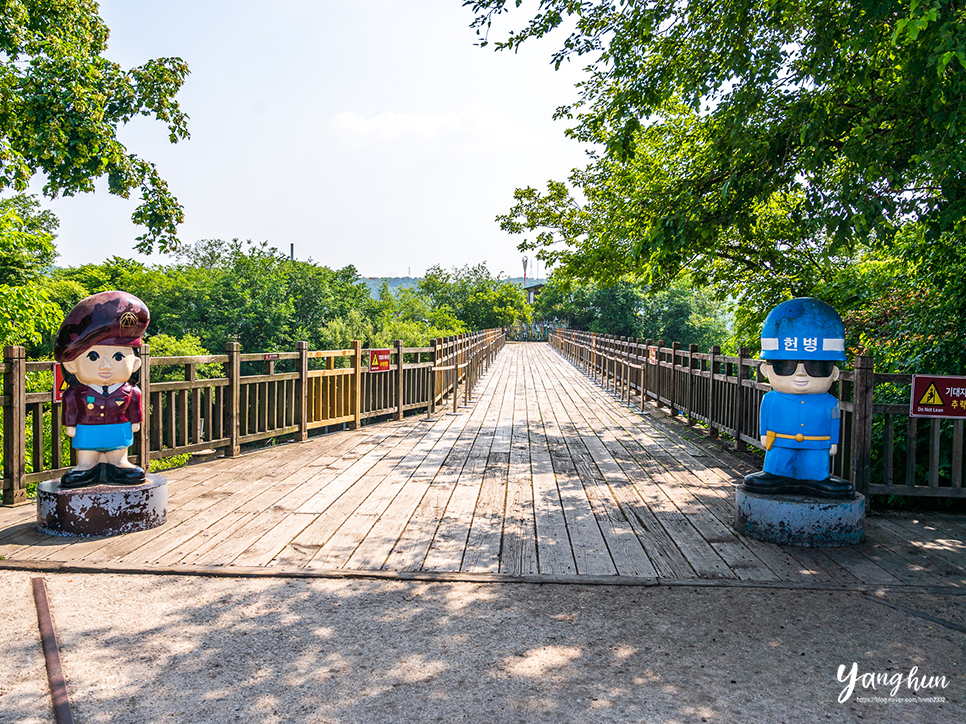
[[27, 311], [320, 295], [62, 103], [409, 315], [906, 306], [564, 303], [164, 345], [854, 105], [220, 291], [686, 314], [617, 309], [645, 218], [681, 312], [475, 297], [27, 251]]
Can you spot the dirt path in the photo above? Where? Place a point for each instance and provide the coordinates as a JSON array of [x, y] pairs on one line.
[[185, 649]]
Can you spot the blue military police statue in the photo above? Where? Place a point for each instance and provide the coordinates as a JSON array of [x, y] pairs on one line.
[[801, 341]]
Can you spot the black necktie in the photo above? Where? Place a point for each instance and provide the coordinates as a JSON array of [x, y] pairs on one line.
[[106, 393]]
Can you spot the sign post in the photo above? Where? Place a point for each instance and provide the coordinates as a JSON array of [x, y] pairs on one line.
[[938, 396]]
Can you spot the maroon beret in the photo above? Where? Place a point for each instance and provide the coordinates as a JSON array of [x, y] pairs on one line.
[[109, 318]]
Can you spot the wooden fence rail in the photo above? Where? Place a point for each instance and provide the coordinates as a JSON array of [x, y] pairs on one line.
[[878, 442], [254, 397]]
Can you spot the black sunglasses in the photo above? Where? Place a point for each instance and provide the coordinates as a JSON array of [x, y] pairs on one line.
[[813, 367]]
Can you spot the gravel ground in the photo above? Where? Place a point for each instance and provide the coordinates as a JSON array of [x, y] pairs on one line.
[[139, 648]]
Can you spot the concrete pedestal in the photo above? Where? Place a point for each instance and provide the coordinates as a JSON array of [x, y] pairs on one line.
[[800, 520], [101, 510]]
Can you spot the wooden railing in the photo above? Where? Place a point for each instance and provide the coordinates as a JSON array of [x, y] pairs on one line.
[[723, 393], [255, 397]]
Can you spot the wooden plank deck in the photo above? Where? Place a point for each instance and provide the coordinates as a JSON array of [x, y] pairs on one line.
[[543, 476]]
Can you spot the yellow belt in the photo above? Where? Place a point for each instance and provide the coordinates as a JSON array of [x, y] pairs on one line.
[[770, 438]]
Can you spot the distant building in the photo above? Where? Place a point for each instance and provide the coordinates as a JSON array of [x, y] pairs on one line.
[[533, 291]]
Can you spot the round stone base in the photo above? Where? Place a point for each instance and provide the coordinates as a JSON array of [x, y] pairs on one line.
[[800, 520], [101, 510]]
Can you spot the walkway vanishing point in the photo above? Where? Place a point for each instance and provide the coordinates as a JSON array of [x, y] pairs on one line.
[[543, 477]]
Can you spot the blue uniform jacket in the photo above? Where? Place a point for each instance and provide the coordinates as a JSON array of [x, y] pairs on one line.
[[809, 415]]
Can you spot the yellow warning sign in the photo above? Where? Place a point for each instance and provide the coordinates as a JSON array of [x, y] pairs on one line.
[[931, 396]]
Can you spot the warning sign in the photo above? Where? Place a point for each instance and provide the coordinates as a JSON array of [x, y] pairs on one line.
[[59, 385], [380, 360], [931, 396], [938, 396]]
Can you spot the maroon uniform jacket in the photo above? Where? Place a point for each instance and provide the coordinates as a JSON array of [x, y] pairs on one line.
[[84, 405]]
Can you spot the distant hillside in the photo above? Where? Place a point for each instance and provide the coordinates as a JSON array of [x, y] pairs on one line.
[[396, 283]]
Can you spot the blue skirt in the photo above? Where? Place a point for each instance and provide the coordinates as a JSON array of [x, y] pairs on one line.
[[103, 437]]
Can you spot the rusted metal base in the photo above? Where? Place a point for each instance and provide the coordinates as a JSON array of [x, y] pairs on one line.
[[800, 520], [102, 510]]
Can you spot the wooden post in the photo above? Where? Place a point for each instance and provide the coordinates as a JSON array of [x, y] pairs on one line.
[[468, 360], [593, 357], [934, 428], [456, 368], [432, 377], [142, 436], [444, 352], [233, 373], [192, 434], [740, 397], [640, 373], [646, 372], [658, 375], [673, 396], [692, 348], [957, 460], [302, 392], [863, 387], [356, 391], [627, 368], [57, 428], [611, 363], [14, 426], [400, 389], [712, 402]]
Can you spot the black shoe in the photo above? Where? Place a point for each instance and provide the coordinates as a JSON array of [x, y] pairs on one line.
[[831, 487], [125, 476], [81, 478], [769, 484]]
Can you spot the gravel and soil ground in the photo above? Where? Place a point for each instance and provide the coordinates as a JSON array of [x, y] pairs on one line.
[[144, 648]]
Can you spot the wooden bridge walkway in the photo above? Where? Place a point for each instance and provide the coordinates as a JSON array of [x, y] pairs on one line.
[[543, 476]]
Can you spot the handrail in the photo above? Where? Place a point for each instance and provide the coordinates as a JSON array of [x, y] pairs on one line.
[[723, 393], [289, 395]]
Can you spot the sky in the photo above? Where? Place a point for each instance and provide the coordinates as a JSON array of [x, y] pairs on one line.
[[365, 132]]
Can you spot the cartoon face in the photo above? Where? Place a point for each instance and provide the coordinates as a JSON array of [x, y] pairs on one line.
[[104, 365], [798, 377]]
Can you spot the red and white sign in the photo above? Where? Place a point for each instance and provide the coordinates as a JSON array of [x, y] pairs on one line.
[[938, 396], [379, 360], [59, 385]]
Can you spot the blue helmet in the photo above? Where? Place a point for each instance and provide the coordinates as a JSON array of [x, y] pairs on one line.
[[803, 328]]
